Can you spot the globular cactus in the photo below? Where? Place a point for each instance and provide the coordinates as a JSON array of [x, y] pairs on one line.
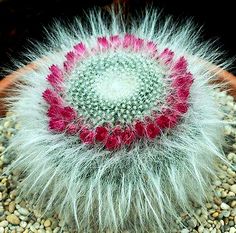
[[119, 127]]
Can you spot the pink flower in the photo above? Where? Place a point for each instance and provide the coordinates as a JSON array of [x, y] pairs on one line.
[[67, 66], [51, 97], [128, 40], [70, 56], [173, 119], [117, 130], [139, 129], [56, 71], [152, 48], [180, 65], [103, 42], [152, 131], [68, 113], [101, 133], [138, 44], [87, 136], [163, 121], [54, 111], [57, 125], [70, 61], [167, 56], [181, 108], [112, 143], [127, 136], [115, 40], [72, 129], [182, 81], [183, 94], [55, 82], [80, 49]]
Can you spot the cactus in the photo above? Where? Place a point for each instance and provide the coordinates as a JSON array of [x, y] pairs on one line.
[[119, 127]]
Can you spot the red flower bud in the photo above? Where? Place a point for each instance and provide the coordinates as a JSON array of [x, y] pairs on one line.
[[101, 133], [112, 143], [139, 129], [181, 108], [127, 136], [183, 94], [72, 129], [51, 97], [152, 131], [87, 136], [68, 113], [180, 65], [57, 125], [162, 121], [103, 42]]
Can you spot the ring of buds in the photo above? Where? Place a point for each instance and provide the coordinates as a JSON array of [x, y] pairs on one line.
[[119, 92]]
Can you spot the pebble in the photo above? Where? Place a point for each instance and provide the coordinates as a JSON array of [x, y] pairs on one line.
[[233, 188], [215, 214], [226, 213], [13, 219], [47, 223], [11, 207], [192, 223], [23, 211], [233, 204], [41, 231], [200, 229], [232, 230], [224, 206], [4, 223], [1, 229], [23, 224], [231, 156], [185, 231]]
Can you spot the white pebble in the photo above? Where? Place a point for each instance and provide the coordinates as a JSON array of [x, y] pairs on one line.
[[3, 223], [224, 206], [56, 230], [32, 228], [1, 230], [206, 231], [232, 230], [185, 231], [23, 224], [7, 124], [41, 231], [23, 211]]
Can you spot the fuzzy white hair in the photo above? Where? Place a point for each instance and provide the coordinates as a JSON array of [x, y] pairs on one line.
[[142, 189]]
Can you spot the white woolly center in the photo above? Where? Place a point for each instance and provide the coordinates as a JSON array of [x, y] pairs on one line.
[[115, 86]]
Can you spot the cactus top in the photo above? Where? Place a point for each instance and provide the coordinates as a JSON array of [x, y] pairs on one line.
[[121, 91]]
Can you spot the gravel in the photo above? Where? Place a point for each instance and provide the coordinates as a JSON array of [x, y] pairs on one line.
[[218, 215]]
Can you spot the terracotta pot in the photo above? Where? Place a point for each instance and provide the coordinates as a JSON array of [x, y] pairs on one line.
[[7, 83]]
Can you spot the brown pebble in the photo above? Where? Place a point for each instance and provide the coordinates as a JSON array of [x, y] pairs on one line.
[[217, 201], [12, 207], [13, 219]]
